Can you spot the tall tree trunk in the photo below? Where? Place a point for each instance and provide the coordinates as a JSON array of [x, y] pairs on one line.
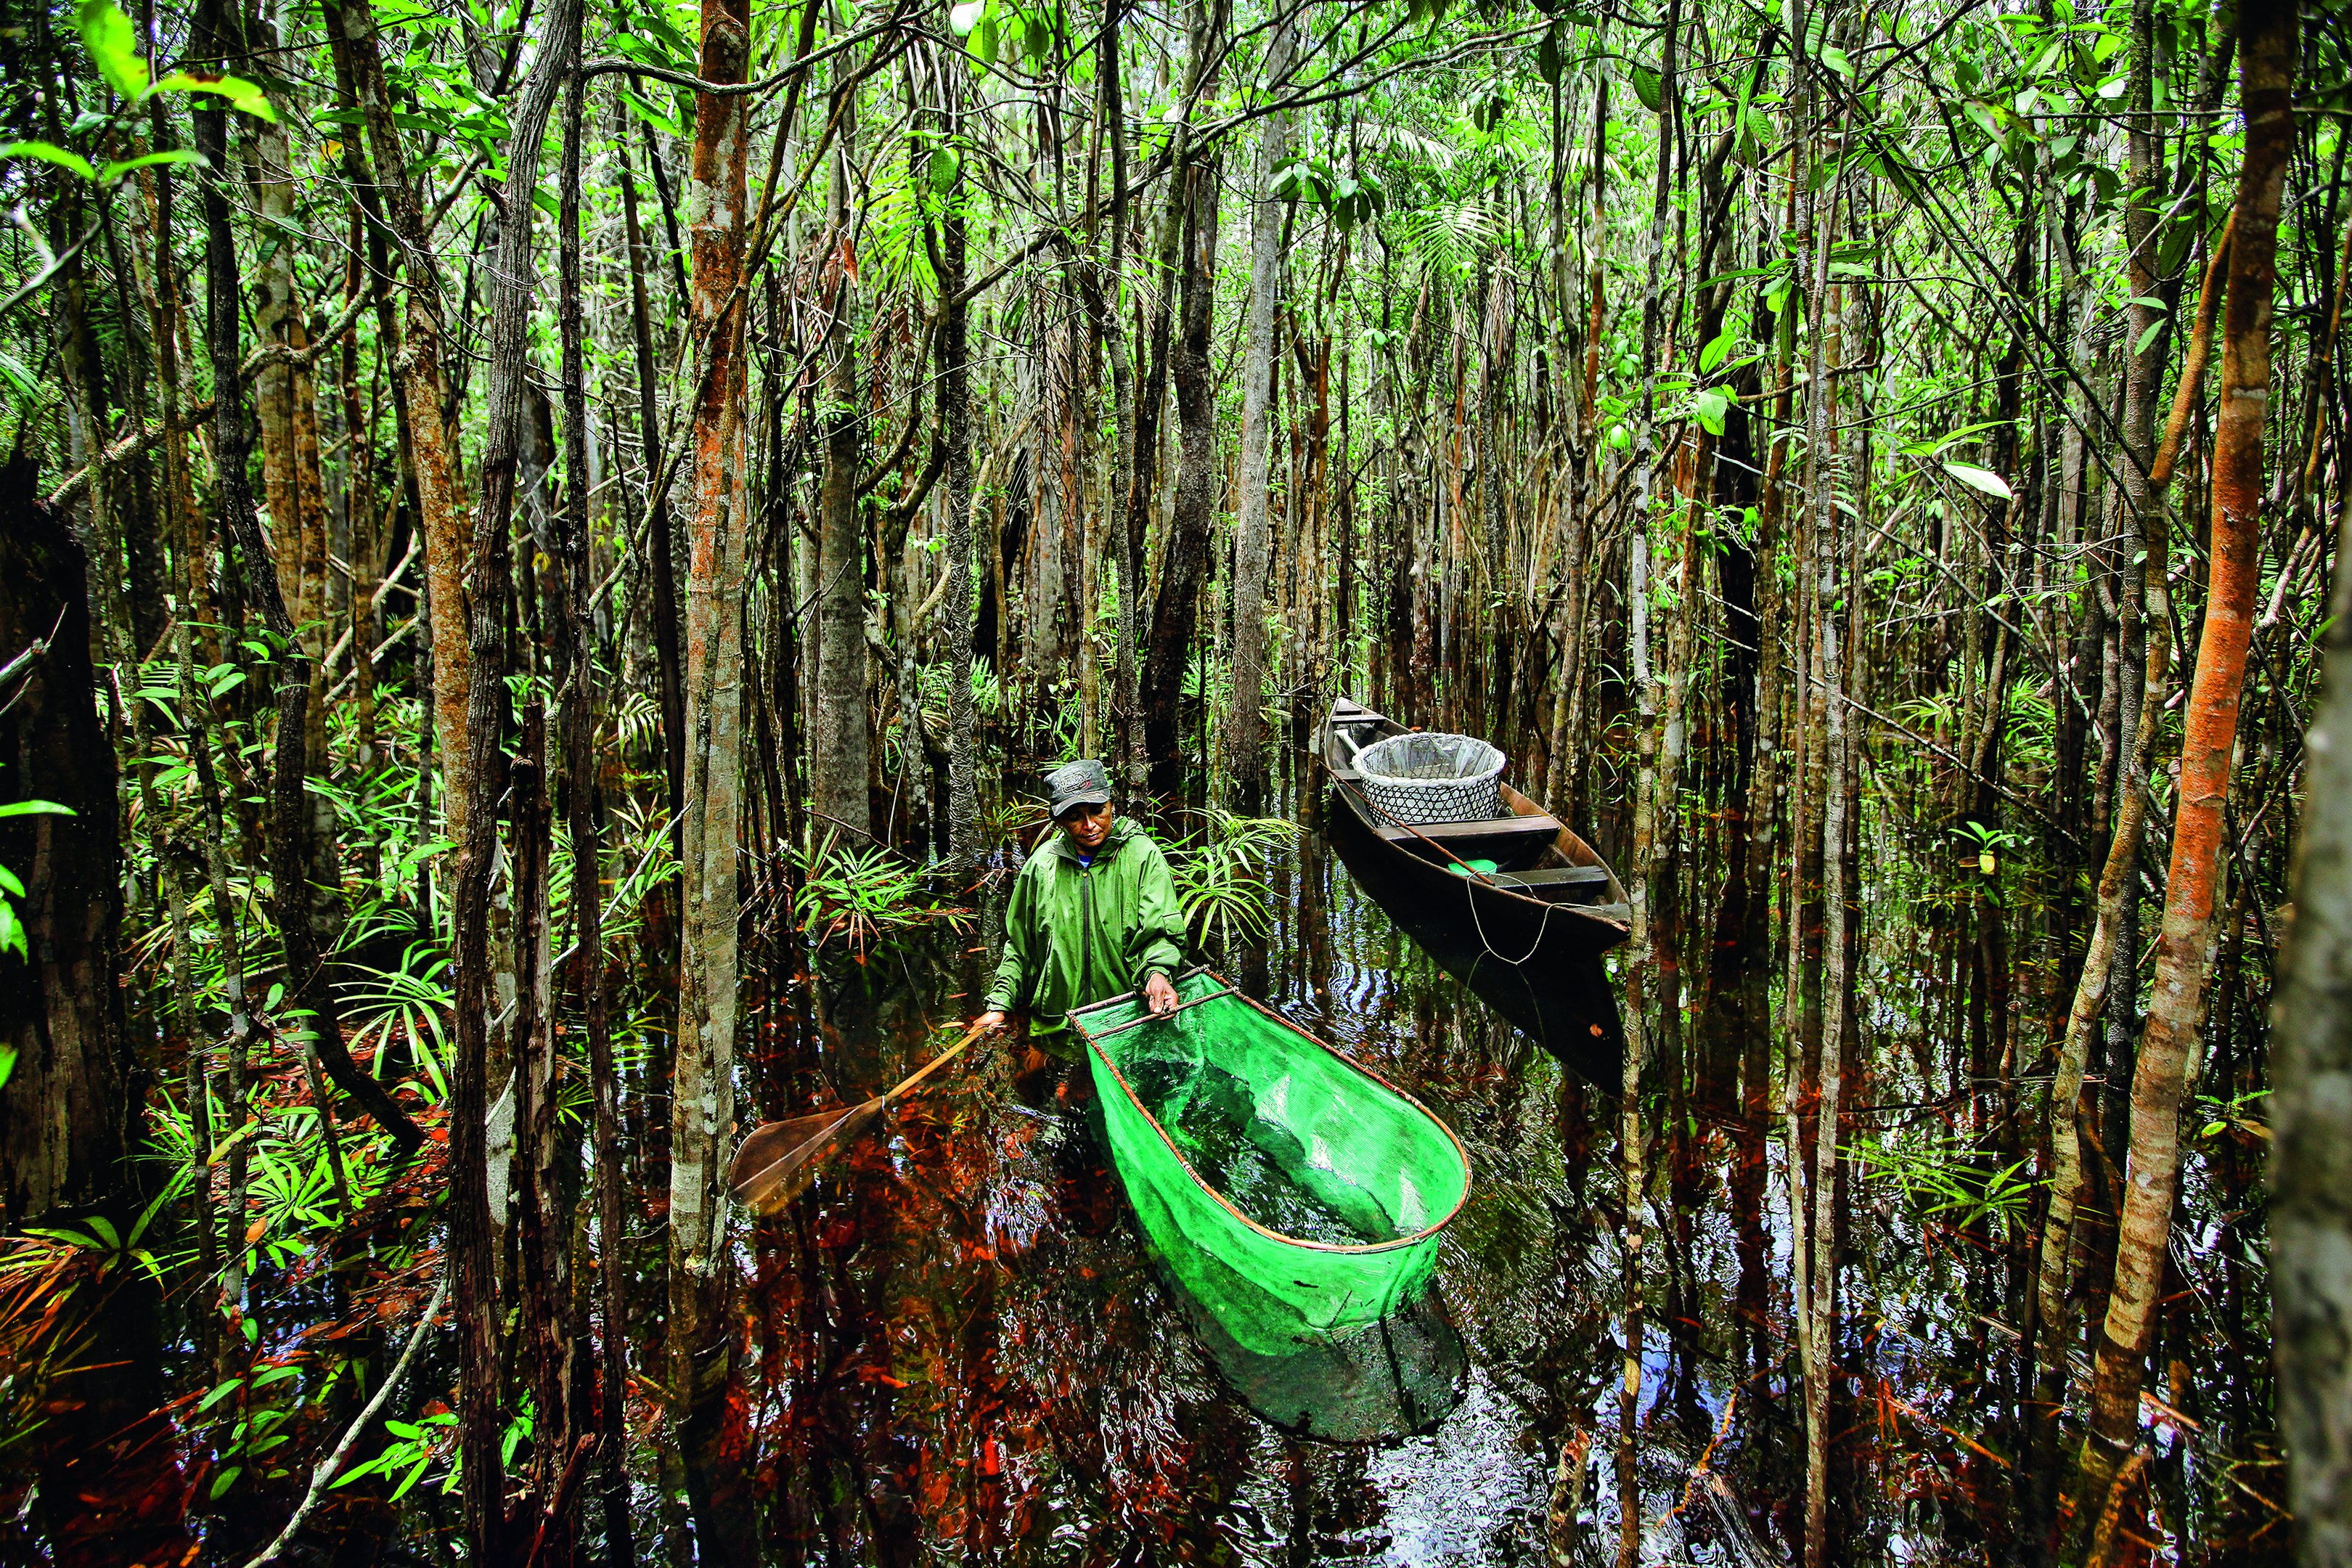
[[2267, 30], [480, 1420], [955, 428], [1248, 738], [2311, 1118], [1160, 707], [841, 757], [290, 820], [66, 1102], [417, 362], [1199, 473], [661, 542], [583, 715], [702, 1084], [1106, 297]]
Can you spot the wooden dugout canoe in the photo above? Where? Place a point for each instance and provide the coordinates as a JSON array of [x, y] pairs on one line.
[[1528, 939]]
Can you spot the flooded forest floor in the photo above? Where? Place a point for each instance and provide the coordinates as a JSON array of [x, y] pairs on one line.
[[956, 1349]]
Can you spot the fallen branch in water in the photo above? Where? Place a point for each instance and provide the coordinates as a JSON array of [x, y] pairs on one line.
[[325, 1471]]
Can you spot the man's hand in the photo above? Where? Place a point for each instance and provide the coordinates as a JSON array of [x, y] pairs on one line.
[[1159, 995], [988, 1023]]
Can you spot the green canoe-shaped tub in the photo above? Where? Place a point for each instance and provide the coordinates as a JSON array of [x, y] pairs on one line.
[[1295, 1194]]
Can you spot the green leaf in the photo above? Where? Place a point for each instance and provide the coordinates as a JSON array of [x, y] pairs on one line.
[[220, 1391], [7, 1064], [50, 152], [2148, 336], [944, 167], [1710, 407], [1983, 480], [13, 370], [225, 1480], [410, 1479], [115, 170], [58, 1233], [241, 94], [113, 44], [1646, 88], [1548, 56], [36, 808], [1713, 354]]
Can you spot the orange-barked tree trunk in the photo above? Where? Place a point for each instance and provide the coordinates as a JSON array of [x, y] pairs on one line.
[[2152, 1173], [416, 364], [702, 1084]]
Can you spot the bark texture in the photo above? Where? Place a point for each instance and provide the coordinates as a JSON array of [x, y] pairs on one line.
[[1252, 544], [2159, 1081], [2311, 1118], [703, 1103], [842, 742], [64, 1111], [417, 360]]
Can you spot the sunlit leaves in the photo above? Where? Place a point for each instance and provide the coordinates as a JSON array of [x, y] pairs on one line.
[[113, 46], [1945, 1179], [177, 155], [1983, 480], [993, 28], [12, 929], [242, 95], [861, 894], [50, 152], [1709, 407], [1448, 235]]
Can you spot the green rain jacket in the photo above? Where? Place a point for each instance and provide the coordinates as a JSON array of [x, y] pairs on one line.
[[1076, 934]]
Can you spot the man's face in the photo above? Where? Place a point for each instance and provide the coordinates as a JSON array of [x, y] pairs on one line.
[[1088, 826]]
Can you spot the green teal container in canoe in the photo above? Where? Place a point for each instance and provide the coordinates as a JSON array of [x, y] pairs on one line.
[[1293, 1193]]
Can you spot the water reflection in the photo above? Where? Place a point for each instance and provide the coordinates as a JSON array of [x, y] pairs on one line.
[[957, 1347]]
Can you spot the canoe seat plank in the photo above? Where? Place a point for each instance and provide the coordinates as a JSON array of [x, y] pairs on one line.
[[1564, 879], [1487, 828]]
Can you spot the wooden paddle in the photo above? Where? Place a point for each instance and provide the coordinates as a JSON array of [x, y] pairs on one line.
[[778, 1161]]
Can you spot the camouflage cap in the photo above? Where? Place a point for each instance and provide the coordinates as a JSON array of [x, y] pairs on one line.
[[1082, 783]]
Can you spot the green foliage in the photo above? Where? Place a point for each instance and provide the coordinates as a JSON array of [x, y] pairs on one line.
[[1946, 1178], [414, 1446], [96, 1233], [861, 895], [12, 929], [114, 47], [1220, 873], [408, 1004]]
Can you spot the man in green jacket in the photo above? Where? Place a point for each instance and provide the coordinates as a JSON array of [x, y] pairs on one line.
[[1093, 914]]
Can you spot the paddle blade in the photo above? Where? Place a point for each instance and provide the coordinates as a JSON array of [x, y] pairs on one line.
[[778, 1161]]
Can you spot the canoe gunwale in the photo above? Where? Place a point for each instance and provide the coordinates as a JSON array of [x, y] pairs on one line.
[[1355, 1249]]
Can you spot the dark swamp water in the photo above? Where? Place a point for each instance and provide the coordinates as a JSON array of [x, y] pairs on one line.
[[955, 1350], [958, 1350]]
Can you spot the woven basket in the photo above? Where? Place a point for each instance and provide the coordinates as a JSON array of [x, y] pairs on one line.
[[1429, 777]]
